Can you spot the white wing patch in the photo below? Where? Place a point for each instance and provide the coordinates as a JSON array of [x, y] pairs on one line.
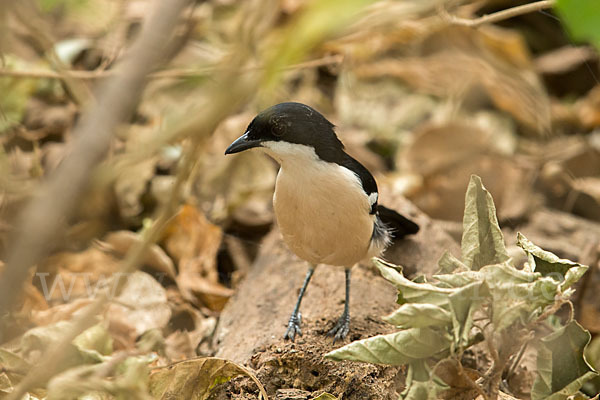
[[373, 198]]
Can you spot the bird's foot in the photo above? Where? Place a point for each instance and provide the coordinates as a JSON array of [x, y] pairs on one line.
[[293, 327], [341, 328]]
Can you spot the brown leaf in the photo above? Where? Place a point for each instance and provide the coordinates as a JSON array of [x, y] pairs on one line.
[[563, 59], [155, 258], [445, 155], [457, 62], [196, 378], [141, 306], [193, 243], [59, 312], [589, 109], [67, 276]]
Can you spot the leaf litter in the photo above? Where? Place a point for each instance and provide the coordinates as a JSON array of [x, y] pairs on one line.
[[423, 103]]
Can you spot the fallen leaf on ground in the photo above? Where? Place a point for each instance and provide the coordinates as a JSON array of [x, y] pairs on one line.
[[195, 378], [120, 242], [141, 306], [193, 242]]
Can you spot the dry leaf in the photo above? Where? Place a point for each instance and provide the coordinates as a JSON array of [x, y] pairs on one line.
[[195, 378], [193, 243], [59, 312], [445, 155], [68, 276], [141, 306], [120, 242]]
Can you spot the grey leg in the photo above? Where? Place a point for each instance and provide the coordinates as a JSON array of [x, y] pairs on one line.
[[296, 317], [342, 327]]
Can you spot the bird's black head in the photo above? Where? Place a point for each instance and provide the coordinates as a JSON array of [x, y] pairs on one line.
[[291, 123]]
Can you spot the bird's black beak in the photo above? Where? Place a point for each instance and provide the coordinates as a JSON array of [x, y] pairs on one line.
[[242, 143]]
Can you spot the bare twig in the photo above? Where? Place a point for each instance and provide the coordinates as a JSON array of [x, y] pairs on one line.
[[497, 16], [517, 360], [52, 361], [470, 381], [41, 221], [165, 74]]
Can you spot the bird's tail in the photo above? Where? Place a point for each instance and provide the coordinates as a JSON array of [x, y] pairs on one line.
[[397, 224]]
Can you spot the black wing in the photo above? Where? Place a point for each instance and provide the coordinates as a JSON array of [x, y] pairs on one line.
[[399, 226], [368, 182]]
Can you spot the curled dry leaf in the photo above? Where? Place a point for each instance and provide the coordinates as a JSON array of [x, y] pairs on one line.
[[59, 312], [141, 306], [67, 276], [188, 328], [131, 184], [193, 243], [195, 378], [492, 63], [435, 157], [155, 258], [569, 178]]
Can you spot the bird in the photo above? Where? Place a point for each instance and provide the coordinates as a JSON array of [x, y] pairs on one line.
[[325, 201]]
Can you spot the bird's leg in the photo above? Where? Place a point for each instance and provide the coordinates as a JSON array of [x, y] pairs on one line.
[[342, 327], [296, 317]]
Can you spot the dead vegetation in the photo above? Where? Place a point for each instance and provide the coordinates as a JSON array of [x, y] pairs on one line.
[[131, 248]]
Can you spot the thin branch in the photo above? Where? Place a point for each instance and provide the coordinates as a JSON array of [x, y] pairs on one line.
[[165, 74], [470, 381], [53, 359], [497, 16]]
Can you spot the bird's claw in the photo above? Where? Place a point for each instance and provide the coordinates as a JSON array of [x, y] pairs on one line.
[[293, 327], [341, 328]]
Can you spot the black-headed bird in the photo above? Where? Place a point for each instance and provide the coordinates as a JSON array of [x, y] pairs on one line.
[[325, 201]]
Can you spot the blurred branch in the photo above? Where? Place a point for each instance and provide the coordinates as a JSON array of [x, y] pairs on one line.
[[42, 220], [497, 16], [52, 361], [165, 74]]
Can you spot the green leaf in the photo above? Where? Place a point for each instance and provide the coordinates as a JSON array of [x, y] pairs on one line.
[[514, 294], [397, 348], [482, 240], [13, 362], [94, 343], [411, 292], [90, 346], [421, 383], [196, 378], [548, 264], [414, 315], [463, 304], [49, 5], [517, 295], [582, 19], [128, 380], [497, 274], [562, 369], [448, 263], [6, 386], [459, 279]]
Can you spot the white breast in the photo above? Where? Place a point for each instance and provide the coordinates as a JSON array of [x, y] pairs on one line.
[[321, 208]]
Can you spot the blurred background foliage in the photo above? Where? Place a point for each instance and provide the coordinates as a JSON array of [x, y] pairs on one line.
[[419, 98]]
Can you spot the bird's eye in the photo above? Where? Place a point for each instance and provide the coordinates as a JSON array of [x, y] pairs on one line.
[[277, 126]]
